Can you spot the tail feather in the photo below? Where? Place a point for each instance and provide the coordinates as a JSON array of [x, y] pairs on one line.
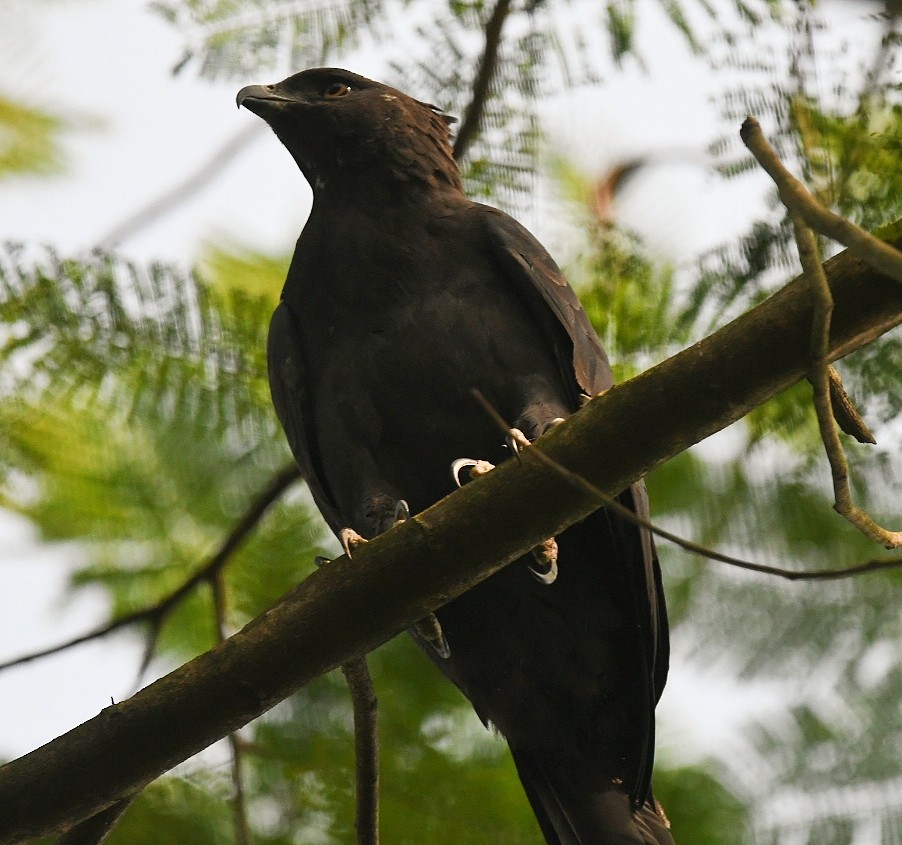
[[575, 810]]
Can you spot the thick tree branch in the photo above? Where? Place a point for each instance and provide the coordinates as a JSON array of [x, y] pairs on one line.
[[346, 609], [611, 503]]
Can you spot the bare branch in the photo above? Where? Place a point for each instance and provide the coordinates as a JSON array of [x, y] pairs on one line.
[[155, 614], [183, 191], [366, 746], [805, 211], [151, 639], [239, 805], [469, 125], [613, 505], [429, 559], [844, 411], [797, 199], [366, 749]]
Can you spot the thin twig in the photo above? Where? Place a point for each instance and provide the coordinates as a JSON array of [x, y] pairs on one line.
[[612, 504], [366, 749], [273, 491], [154, 629], [366, 746], [469, 125], [797, 199], [183, 191], [819, 376], [802, 210], [239, 805]]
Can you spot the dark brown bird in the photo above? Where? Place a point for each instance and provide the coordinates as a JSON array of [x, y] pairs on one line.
[[403, 296]]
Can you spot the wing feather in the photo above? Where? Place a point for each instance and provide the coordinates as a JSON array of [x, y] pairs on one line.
[[291, 401], [528, 265], [555, 305]]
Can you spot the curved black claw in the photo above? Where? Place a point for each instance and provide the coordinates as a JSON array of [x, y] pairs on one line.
[[431, 631], [476, 468], [545, 556]]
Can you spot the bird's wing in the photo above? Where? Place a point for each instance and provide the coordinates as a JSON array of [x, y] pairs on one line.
[[289, 395], [527, 264], [529, 267]]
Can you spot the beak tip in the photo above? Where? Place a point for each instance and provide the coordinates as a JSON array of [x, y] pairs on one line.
[[240, 96]]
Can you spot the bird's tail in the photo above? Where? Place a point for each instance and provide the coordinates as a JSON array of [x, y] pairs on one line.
[[574, 809]]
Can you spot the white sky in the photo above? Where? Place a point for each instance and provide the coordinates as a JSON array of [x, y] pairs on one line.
[[109, 61]]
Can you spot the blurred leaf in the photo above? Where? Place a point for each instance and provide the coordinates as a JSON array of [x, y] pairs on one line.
[[242, 269], [700, 808], [29, 141], [175, 811], [621, 25]]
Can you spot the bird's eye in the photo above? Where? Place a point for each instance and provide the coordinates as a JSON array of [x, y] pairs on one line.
[[337, 89]]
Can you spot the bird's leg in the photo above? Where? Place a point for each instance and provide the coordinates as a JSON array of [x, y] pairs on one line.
[[428, 627], [383, 513], [545, 554]]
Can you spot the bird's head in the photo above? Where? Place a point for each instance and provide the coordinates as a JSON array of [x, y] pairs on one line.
[[341, 127]]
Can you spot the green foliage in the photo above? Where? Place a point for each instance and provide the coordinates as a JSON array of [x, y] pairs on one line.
[[701, 810], [29, 140], [244, 270], [621, 26], [161, 383], [238, 37], [174, 811], [135, 425]]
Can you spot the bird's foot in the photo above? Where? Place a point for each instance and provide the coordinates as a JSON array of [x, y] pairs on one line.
[[430, 629], [350, 540], [517, 440], [387, 515], [402, 511], [474, 469], [545, 554]]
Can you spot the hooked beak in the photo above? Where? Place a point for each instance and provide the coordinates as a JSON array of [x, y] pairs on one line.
[[254, 97]]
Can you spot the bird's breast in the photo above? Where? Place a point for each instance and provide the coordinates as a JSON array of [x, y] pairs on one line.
[[395, 375]]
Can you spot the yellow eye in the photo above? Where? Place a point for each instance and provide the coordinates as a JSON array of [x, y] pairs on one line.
[[337, 89]]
